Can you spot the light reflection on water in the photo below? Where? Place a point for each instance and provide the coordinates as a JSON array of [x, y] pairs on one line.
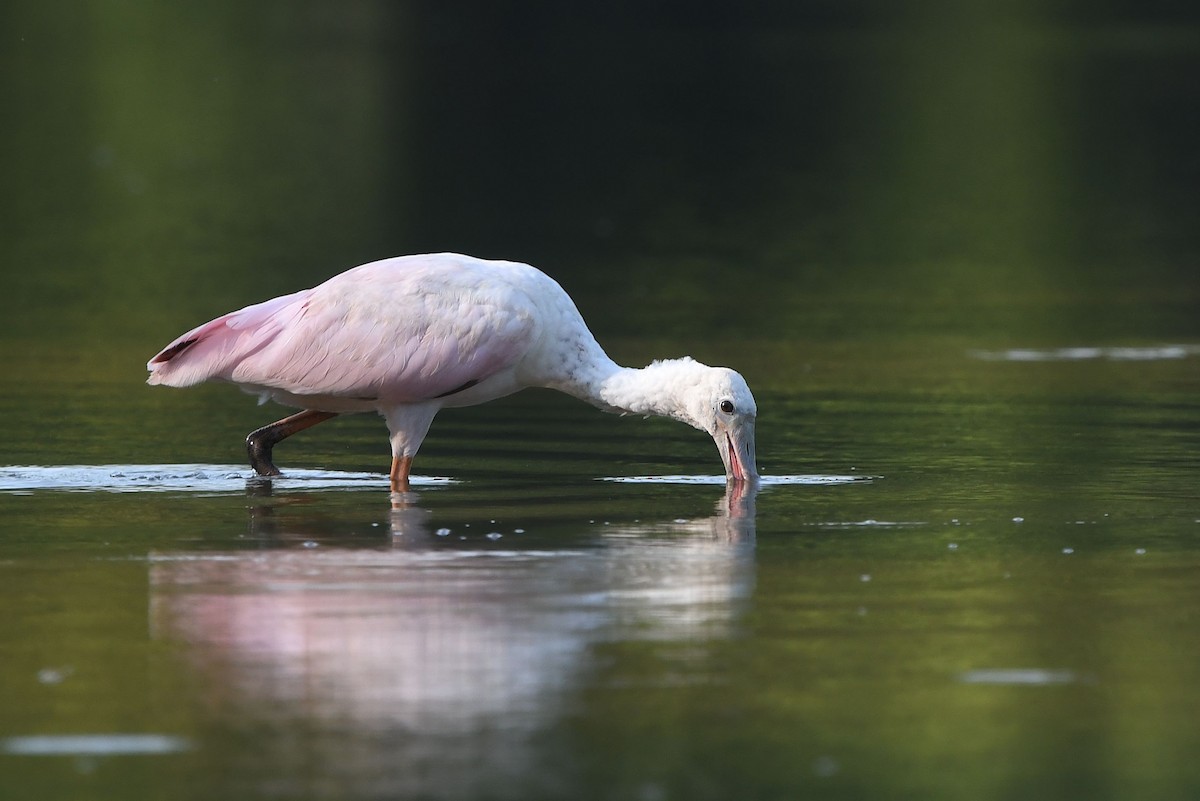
[[441, 666], [198, 478], [1127, 353], [94, 745], [1032, 677], [764, 481], [225, 479]]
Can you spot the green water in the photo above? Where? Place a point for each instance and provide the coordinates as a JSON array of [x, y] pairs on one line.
[[953, 250]]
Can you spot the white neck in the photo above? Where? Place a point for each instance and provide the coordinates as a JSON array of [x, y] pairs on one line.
[[657, 389]]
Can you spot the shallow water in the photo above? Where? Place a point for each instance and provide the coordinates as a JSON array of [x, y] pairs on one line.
[[527, 626], [965, 297]]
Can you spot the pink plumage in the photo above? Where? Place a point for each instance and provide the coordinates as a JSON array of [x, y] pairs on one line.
[[410, 335], [394, 331]]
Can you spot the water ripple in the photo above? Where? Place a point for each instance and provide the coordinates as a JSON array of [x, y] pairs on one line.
[[764, 481], [94, 745], [208, 478], [1117, 354], [1019, 676]]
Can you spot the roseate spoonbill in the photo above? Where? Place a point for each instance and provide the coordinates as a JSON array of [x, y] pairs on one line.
[[408, 336]]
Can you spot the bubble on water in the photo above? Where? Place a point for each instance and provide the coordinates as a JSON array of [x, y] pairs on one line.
[[651, 792], [49, 675], [1018, 520], [1140, 551], [310, 544], [953, 546], [825, 766], [493, 535], [1068, 550], [865, 577], [443, 532], [518, 531], [681, 520]]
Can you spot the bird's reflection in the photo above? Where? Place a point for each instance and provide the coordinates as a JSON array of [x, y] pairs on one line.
[[437, 671], [733, 520]]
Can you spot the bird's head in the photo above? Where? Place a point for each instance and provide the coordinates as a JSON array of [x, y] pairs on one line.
[[712, 399], [720, 403]]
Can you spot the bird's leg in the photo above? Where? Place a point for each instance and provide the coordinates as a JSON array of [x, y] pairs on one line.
[[400, 467], [260, 442]]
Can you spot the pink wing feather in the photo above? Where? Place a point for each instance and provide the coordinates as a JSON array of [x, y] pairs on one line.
[[398, 330]]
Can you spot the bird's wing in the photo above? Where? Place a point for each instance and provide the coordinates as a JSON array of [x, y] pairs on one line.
[[395, 335]]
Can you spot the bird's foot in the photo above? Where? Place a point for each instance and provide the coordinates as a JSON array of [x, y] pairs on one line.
[[260, 441], [258, 448]]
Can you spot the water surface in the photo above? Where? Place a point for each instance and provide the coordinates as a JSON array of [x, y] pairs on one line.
[[953, 251]]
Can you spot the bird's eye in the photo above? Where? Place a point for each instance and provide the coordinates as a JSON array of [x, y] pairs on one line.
[[727, 406]]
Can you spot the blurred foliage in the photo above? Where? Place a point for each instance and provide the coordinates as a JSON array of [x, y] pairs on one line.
[[974, 168]]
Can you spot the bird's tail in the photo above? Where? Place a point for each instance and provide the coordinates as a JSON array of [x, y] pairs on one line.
[[214, 350]]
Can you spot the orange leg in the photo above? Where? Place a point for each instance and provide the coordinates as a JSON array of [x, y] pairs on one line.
[[260, 442], [401, 465]]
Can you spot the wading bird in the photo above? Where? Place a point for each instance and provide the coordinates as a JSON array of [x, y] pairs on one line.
[[408, 336]]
